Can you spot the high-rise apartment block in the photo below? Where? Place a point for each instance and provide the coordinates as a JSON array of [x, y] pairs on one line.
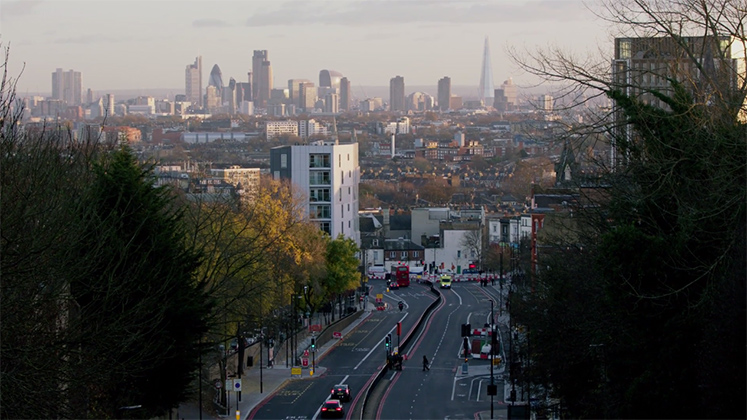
[[329, 175], [67, 87], [261, 78], [444, 93], [397, 94], [711, 68], [345, 94], [193, 82]]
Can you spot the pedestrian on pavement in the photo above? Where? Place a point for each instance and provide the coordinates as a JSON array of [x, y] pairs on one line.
[[425, 364]]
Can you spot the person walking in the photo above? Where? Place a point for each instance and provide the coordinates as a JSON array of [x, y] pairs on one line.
[[425, 364]]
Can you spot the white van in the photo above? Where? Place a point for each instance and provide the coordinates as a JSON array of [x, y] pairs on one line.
[[376, 271]]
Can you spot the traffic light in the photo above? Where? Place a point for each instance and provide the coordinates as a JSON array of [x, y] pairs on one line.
[[313, 343], [466, 330], [388, 340]]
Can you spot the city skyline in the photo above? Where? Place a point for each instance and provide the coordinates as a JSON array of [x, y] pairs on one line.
[[148, 47]]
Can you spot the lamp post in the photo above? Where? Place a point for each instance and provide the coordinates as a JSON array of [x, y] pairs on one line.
[[492, 356]]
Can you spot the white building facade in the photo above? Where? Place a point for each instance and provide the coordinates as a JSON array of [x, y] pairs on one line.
[[276, 128], [328, 174]]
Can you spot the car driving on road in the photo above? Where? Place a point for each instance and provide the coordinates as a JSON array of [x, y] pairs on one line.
[[332, 408], [341, 392]]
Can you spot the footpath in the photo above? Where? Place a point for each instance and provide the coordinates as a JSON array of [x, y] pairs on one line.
[[259, 383]]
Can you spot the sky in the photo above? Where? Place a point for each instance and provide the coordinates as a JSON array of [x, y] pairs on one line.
[[133, 44]]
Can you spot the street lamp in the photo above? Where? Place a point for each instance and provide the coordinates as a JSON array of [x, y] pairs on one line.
[[492, 357]]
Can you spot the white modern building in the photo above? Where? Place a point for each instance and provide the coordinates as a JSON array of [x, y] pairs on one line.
[[276, 128], [246, 180], [308, 128], [328, 173]]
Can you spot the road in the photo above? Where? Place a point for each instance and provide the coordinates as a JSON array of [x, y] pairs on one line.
[[354, 361], [445, 391]]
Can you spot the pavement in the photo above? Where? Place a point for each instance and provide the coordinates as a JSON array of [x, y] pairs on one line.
[[259, 383]]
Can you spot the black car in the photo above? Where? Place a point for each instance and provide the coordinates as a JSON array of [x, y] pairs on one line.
[[393, 285], [341, 392], [332, 408]]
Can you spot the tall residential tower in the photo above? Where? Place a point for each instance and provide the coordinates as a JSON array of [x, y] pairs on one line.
[[67, 87], [444, 93], [397, 94]]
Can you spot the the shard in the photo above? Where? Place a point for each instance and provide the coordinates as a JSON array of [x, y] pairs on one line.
[[486, 77]]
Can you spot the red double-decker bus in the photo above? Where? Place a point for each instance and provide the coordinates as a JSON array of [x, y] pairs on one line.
[[401, 274]]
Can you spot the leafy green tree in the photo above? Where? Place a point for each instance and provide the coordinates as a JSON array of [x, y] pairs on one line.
[[342, 267], [159, 306]]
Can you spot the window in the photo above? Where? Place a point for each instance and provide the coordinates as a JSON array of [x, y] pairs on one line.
[[393, 254], [324, 226], [340, 194], [415, 254], [276, 174], [342, 210], [342, 177], [403, 255], [319, 161], [348, 206], [339, 161], [348, 157], [342, 227], [374, 242], [349, 224], [283, 161], [459, 254], [319, 178], [317, 211], [319, 194], [376, 254]]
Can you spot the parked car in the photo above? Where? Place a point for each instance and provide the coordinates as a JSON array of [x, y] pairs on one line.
[[341, 392], [332, 408]]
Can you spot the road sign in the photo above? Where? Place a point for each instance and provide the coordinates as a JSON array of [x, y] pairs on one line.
[[306, 353], [337, 334], [295, 371], [218, 384], [229, 384], [305, 362], [237, 385]]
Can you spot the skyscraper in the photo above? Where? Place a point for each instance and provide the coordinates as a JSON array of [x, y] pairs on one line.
[[344, 94], [486, 76], [67, 87], [216, 80], [261, 78], [397, 94], [193, 82], [444, 93], [294, 92]]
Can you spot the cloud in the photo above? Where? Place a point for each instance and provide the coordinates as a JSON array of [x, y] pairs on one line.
[[87, 39], [210, 23], [383, 12], [18, 8]]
